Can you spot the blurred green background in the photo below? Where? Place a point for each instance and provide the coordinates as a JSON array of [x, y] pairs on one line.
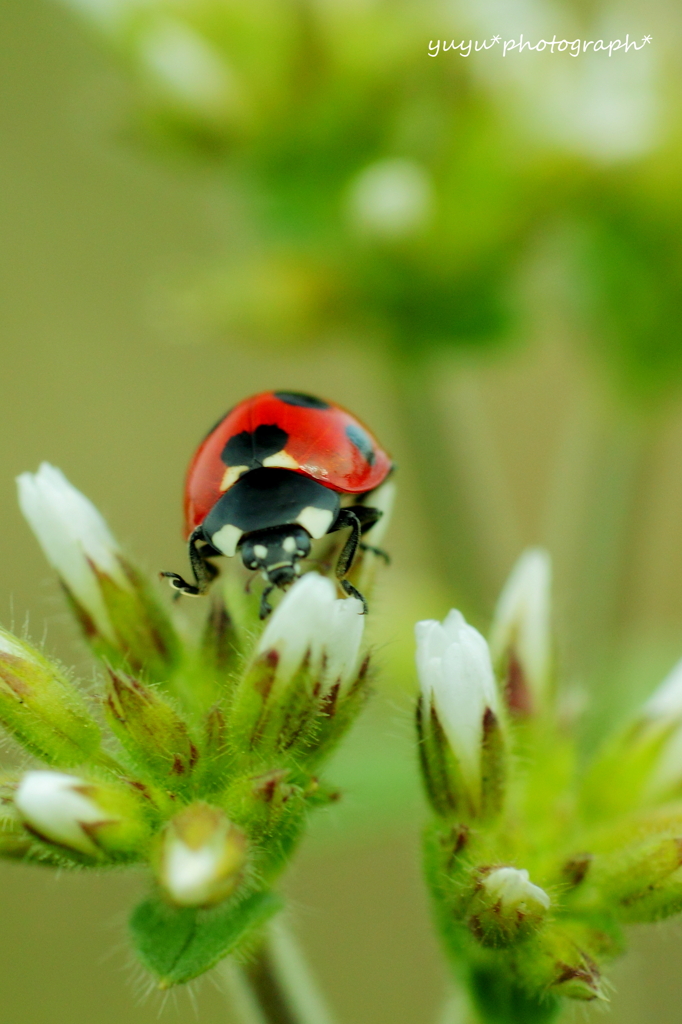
[[509, 326]]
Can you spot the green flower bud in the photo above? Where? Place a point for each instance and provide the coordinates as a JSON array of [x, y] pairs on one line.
[[149, 728], [462, 746], [96, 820], [506, 907], [41, 708], [561, 960], [639, 882], [520, 636], [202, 857], [117, 613]]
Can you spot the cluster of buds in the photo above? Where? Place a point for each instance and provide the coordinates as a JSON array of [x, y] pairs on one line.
[[198, 759], [536, 862]]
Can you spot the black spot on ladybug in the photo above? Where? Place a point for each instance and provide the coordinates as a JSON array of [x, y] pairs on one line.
[[296, 398], [357, 436], [250, 449]]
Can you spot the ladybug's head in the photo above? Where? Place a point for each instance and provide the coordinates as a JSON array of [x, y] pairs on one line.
[[276, 552]]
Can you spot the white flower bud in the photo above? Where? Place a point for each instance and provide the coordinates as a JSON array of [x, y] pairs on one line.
[[520, 637], [391, 198], [51, 805], [457, 681], [513, 890], [75, 539], [115, 608], [506, 907], [101, 819], [202, 857], [311, 621]]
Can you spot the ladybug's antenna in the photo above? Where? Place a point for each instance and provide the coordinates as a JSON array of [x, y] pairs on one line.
[[247, 587]]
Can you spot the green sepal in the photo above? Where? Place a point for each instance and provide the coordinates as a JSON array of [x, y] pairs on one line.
[[178, 944], [335, 715], [43, 710], [442, 777], [145, 639], [493, 766], [220, 644]]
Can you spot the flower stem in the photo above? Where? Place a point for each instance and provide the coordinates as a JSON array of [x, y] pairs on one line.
[[276, 986]]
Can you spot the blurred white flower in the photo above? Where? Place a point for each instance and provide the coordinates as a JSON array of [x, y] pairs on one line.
[[520, 636], [661, 716], [311, 621], [108, 15], [188, 68], [456, 677], [665, 703], [391, 198], [75, 539]]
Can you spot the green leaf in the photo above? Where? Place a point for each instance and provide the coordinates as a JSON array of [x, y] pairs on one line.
[[179, 943]]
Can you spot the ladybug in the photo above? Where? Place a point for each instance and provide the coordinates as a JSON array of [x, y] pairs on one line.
[[269, 479]]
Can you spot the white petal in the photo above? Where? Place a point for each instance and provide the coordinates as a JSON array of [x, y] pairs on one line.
[[431, 644], [49, 803], [311, 618], [342, 636], [522, 617], [190, 875], [460, 703], [72, 533], [294, 626]]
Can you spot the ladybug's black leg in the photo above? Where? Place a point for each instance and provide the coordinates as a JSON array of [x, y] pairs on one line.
[[357, 523], [376, 551], [265, 606], [347, 517], [360, 518], [366, 515], [353, 592], [203, 571]]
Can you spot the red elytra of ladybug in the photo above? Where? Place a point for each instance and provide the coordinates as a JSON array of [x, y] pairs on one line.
[[267, 481], [323, 440]]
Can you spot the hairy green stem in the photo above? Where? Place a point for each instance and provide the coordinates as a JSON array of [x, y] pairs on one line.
[[500, 1001], [276, 986]]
